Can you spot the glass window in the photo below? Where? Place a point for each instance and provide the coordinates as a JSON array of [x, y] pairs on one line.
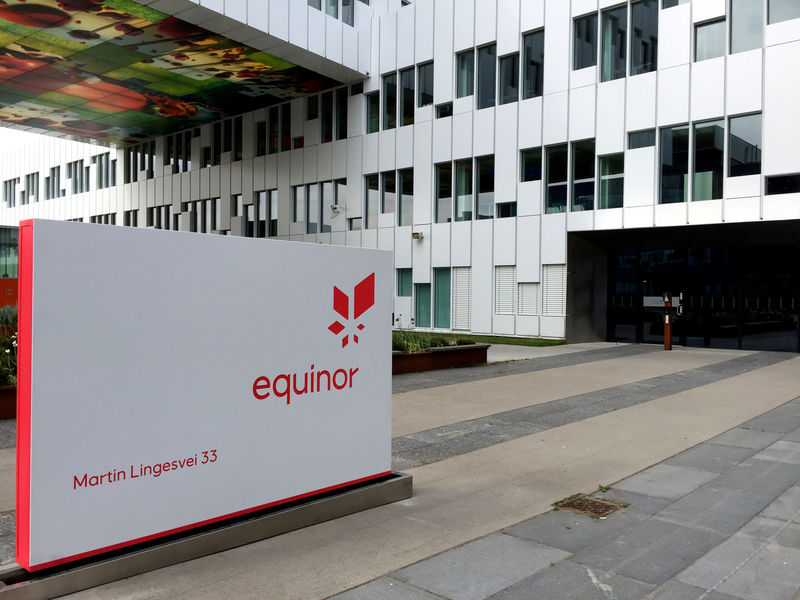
[[388, 192], [463, 190], [585, 42], [404, 285], [744, 146], [531, 164], [783, 10], [644, 36], [465, 76], [372, 201], [615, 35], [405, 208], [747, 25], [487, 75], [407, 97], [274, 113], [641, 139], [312, 208], [674, 164], [341, 113], [373, 112], [332, 8], [441, 298], [709, 147], [671, 3], [583, 175], [326, 120], [390, 101], [783, 184], [506, 210], [485, 169], [533, 65], [315, 4], [422, 304], [444, 110], [444, 193], [709, 40], [326, 201], [354, 223], [273, 213], [262, 214], [348, 12], [612, 180], [425, 84], [557, 179], [237, 140], [298, 202], [509, 78], [286, 127]]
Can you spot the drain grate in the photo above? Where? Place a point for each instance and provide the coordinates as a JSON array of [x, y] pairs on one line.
[[586, 505]]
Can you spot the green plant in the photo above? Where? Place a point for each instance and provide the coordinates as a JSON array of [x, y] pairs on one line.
[[8, 360]]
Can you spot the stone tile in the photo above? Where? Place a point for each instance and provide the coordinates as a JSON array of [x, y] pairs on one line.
[[793, 437], [481, 568], [640, 503], [570, 581], [771, 575], [781, 451], [711, 457], [774, 423], [761, 529], [746, 438], [786, 506], [8, 433], [666, 481], [676, 590], [790, 537], [386, 588], [770, 478], [710, 570], [572, 532]]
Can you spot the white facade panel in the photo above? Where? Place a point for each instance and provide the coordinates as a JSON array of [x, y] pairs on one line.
[[555, 119], [463, 24], [440, 245], [554, 239], [405, 33], [610, 119], [673, 95], [743, 91], [505, 242], [557, 39], [708, 89], [485, 22], [640, 177], [508, 26], [482, 275], [675, 25], [461, 250], [388, 43], [781, 117], [443, 60], [582, 113]]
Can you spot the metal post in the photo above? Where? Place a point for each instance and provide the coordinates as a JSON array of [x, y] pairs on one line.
[[667, 320]]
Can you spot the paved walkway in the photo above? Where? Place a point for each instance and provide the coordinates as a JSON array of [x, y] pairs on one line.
[[704, 447]]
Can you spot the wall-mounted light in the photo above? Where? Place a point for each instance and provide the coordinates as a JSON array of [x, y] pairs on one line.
[[335, 208], [417, 235]]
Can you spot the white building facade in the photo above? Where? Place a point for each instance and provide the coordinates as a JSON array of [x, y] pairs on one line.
[[538, 167]]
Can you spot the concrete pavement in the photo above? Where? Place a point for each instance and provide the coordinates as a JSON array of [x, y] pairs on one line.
[[509, 444]]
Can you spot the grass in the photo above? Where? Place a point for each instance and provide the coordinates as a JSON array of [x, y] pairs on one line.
[[424, 339]]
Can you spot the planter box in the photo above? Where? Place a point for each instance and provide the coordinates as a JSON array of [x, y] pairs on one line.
[[447, 357], [8, 401]]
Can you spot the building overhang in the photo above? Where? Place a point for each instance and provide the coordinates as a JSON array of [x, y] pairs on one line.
[[120, 72]]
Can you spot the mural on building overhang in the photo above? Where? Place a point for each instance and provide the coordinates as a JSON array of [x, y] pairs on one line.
[[119, 72]]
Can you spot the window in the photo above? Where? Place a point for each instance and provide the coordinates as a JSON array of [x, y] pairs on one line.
[[404, 285], [644, 36], [286, 127], [530, 164], [261, 138], [326, 200], [671, 3], [326, 117], [441, 298], [341, 114], [388, 192], [313, 202], [315, 4], [444, 193], [444, 110], [528, 303], [533, 65], [487, 68], [237, 142], [557, 179], [354, 223], [130, 218], [227, 138], [332, 8], [585, 42], [709, 148], [674, 164], [357, 88], [407, 97], [465, 73], [272, 219], [709, 40], [348, 12], [462, 297], [463, 190], [425, 84], [312, 108], [615, 35], [405, 211], [509, 78], [373, 112], [505, 290], [744, 146], [641, 139], [298, 202], [747, 25], [485, 169], [371, 201], [506, 209], [583, 175], [783, 10], [390, 101], [262, 214], [783, 184], [612, 180], [422, 304]]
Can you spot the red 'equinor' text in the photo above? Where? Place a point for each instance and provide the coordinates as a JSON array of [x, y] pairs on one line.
[[284, 385]]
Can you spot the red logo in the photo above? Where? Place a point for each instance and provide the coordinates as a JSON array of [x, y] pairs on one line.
[[363, 299]]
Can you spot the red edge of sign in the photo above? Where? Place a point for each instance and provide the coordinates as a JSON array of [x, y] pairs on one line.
[[154, 536], [24, 328]]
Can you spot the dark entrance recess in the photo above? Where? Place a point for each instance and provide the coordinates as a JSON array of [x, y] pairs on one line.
[[741, 285]]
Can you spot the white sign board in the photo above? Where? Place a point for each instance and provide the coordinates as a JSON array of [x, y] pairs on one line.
[[169, 380]]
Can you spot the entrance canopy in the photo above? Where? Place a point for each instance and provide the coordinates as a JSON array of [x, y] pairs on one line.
[[120, 72]]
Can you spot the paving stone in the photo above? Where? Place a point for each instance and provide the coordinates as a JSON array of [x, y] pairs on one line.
[[771, 575], [786, 506], [711, 457], [570, 531], [793, 437], [781, 451], [789, 537], [640, 503], [8, 433], [762, 529], [774, 423], [760, 476], [570, 581], [746, 438], [676, 590], [481, 568], [386, 588], [666, 481]]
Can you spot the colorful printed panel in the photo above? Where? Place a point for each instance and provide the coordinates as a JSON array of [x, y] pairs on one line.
[[119, 72]]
